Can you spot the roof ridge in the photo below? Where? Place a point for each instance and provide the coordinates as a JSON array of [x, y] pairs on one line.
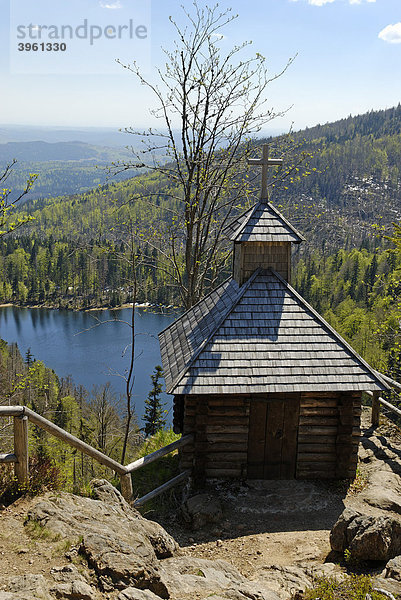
[[234, 303], [245, 221], [329, 327], [194, 305], [281, 216]]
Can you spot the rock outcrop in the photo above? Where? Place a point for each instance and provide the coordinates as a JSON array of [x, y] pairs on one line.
[[201, 510], [130, 558], [366, 537]]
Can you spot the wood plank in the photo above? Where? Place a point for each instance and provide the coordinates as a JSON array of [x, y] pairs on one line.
[[8, 458], [226, 456], [312, 430], [274, 440], [316, 439], [163, 488], [223, 405], [227, 429], [225, 421], [230, 415], [228, 447], [290, 439], [319, 421], [126, 486], [325, 448], [215, 438], [223, 473], [321, 466], [11, 411], [319, 403], [307, 411], [145, 460], [224, 464], [257, 438], [232, 402], [319, 457], [21, 466]]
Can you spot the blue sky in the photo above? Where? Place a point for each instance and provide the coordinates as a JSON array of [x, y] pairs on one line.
[[348, 58]]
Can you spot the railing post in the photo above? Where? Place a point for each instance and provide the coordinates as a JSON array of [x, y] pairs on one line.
[[126, 486], [21, 449], [375, 409]]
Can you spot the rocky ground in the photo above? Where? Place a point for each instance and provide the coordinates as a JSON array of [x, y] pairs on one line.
[[260, 540]]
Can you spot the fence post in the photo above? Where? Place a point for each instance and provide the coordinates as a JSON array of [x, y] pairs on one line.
[[375, 409], [126, 486], [21, 449]]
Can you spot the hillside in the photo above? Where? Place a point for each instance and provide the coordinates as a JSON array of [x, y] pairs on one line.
[[62, 167], [60, 151], [355, 170], [354, 184]]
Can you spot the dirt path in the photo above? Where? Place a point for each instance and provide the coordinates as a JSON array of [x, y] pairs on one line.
[[282, 523], [264, 523], [23, 551]]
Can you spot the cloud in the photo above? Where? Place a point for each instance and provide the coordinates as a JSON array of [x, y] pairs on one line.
[[391, 34], [111, 5]]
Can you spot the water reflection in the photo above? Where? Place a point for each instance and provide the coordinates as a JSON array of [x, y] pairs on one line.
[[76, 344]]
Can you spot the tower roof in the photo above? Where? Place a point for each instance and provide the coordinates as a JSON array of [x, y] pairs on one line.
[[263, 223], [258, 338]]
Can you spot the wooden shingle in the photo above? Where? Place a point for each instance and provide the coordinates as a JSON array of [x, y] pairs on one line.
[[260, 337], [263, 223]]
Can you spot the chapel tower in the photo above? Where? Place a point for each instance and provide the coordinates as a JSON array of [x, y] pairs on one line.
[[262, 237]]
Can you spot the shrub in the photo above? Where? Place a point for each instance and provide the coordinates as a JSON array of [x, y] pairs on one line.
[[354, 587], [43, 475], [150, 477]]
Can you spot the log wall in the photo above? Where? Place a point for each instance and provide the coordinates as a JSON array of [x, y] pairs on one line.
[[328, 436], [221, 428], [327, 444], [248, 256]]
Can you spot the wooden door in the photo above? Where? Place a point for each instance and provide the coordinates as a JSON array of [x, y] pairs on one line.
[[272, 441]]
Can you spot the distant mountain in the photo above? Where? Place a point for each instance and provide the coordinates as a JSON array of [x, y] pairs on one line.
[[102, 136], [63, 167], [98, 136], [39, 151]]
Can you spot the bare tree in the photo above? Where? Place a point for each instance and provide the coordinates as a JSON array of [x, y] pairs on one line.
[[209, 103], [104, 408]]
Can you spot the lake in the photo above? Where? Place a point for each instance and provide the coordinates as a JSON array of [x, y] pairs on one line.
[[73, 343]]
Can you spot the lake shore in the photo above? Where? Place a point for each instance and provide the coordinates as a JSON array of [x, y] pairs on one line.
[[74, 346], [146, 305]]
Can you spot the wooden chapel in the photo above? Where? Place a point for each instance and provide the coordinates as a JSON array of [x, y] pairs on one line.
[[267, 387]]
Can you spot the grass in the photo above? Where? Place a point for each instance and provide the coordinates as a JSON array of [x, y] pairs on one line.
[[359, 483], [152, 476], [354, 587], [39, 532]]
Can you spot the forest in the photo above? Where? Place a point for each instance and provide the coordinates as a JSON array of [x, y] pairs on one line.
[[78, 251]]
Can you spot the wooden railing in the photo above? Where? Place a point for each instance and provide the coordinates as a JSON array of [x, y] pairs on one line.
[[377, 400], [21, 416]]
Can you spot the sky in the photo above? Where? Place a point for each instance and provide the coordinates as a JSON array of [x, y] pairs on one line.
[[347, 57]]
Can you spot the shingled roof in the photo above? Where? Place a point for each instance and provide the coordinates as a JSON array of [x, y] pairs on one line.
[[258, 338], [262, 223]]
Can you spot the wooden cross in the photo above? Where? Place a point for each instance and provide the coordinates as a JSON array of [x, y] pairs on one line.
[[265, 162]]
